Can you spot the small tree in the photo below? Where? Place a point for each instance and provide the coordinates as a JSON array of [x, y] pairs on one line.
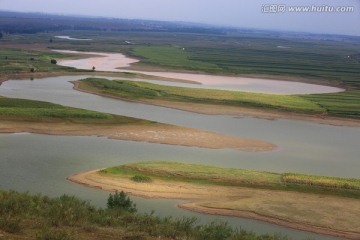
[[121, 201], [50, 40], [93, 68], [53, 61], [32, 70]]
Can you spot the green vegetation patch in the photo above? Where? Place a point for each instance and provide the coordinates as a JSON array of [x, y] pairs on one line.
[[202, 174], [38, 111], [145, 90], [174, 57], [67, 217], [141, 179], [338, 104], [29, 108], [22, 61], [332, 182]]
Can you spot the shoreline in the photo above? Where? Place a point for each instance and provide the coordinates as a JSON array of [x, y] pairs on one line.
[[209, 109], [106, 183], [277, 221]]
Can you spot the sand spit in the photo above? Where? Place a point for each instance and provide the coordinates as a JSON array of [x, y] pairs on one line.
[[152, 133]]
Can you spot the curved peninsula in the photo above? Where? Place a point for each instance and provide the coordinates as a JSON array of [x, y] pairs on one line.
[[298, 201], [21, 115]]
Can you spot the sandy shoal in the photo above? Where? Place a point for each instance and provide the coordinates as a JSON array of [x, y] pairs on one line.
[[290, 209], [152, 133]]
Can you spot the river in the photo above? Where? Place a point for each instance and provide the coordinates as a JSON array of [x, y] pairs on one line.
[[43, 165]]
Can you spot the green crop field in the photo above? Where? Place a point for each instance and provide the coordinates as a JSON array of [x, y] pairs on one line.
[[339, 104]]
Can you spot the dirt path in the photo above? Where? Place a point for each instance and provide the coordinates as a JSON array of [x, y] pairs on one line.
[[290, 209]]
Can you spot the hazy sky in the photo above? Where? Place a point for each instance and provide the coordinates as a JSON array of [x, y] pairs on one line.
[[239, 13]]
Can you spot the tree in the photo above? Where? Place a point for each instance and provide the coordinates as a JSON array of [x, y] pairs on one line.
[[53, 61], [50, 40], [121, 201], [93, 68], [32, 70]]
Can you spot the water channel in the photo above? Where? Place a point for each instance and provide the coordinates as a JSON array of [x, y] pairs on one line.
[[40, 163]]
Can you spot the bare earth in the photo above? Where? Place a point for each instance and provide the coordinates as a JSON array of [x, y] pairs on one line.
[[153, 133], [337, 216]]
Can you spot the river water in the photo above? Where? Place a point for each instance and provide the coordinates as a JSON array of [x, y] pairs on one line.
[[117, 62], [40, 163]]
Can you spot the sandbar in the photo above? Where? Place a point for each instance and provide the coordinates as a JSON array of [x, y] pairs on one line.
[[152, 133]]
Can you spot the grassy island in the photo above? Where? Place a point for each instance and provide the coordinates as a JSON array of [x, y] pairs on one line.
[[300, 201], [345, 105]]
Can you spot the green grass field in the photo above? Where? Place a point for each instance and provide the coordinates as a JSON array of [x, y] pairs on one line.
[[38, 111], [143, 90], [202, 174]]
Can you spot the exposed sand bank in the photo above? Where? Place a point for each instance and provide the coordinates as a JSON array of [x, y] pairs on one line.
[[290, 209], [152, 133]]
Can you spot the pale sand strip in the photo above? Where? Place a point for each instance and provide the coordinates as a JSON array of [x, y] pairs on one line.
[[152, 133], [290, 209]]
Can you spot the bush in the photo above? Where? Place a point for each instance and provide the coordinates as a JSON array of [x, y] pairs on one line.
[[121, 201], [215, 231], [53, 61], [54, 234], [141, 179], [10, 225]]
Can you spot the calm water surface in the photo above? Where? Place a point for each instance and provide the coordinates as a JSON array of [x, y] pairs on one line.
[[39, 163]]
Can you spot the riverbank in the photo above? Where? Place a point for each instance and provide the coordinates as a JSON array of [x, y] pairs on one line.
[[296, 210], [217, 109]]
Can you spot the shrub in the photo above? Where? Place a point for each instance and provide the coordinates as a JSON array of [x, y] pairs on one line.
[[53, 61], [121, 201], [10, 225], [215, 231], [54, 234], [141, 179]]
